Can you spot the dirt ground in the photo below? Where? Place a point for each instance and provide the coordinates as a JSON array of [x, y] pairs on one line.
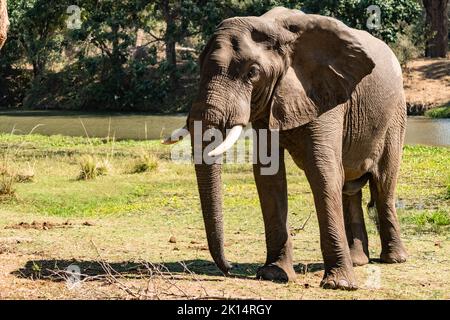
[[427, 81], [34, 263]]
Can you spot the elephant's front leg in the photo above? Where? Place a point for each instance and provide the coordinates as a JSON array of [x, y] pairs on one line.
[[272, 191], [325, 175]]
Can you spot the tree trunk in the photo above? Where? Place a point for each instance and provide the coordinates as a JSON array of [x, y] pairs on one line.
[[171, 54], [4, 22], [170, 42], [437, 20]]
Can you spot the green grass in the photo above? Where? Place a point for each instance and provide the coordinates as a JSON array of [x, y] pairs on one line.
[[135, 215], [437, 221], [424, 180], [440, 112]]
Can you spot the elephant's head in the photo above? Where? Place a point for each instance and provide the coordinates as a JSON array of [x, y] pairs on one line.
[[4, 22], [285, 67]]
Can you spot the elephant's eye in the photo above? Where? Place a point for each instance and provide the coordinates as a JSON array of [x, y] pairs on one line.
[[253, 73]]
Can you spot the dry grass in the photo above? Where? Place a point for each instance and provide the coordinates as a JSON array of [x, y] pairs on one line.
[[145, 162], [27, 175], [8, 178], [133, 259], [7, 189], [91, 168]]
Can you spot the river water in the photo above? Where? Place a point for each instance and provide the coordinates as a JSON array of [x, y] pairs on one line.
[[420, 130]]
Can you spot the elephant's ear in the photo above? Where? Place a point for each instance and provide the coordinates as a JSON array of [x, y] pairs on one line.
[[326, 63]]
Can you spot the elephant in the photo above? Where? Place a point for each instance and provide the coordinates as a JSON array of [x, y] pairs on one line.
[[4, 22], [335, 96]]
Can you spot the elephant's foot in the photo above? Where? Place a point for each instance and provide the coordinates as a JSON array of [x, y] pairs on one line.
[[339, 278], [358, 243], [276, 272], [396, 254], [359, 255]]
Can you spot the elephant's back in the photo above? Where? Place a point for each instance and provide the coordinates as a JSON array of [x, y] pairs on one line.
[[377, 104], [387, 68], [382, 90]]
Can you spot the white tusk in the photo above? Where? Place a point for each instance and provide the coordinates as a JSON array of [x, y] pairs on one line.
[[176, 136], [229, 141]]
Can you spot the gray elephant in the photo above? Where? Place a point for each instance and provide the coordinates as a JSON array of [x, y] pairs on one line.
[[335, 95]]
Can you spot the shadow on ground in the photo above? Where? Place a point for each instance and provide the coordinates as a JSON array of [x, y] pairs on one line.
[[58, 270], [435, 70], [53, 269], [308, 267]]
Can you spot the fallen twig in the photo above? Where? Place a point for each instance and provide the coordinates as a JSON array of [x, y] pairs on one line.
[[304, 224]]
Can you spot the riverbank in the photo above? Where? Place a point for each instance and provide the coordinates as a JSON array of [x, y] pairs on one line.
[[439, 113], [139, 126], [125, 221]]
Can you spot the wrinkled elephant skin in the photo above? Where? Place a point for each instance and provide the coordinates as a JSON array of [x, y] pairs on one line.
[[336, 96]]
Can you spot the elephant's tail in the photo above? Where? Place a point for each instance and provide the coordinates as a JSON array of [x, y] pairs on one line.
[[371, 206]]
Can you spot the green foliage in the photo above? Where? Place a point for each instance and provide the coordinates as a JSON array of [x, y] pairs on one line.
[[108, 26], [34, 43], [408, 46], [44, 64], [428, 221], [35, 33], [440, 112], [394, 14]]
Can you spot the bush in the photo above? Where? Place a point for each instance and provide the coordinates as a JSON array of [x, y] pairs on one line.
[[7, 181], [91, 168], [440, 112], [410, 44], [145, 162], [25, 176]]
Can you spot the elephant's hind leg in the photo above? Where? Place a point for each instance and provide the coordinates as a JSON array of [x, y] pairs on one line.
[[383, 186], [355, 228]]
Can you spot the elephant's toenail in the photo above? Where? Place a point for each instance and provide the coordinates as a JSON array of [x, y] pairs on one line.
[[329, 284]]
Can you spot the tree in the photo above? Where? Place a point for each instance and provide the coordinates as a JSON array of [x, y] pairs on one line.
[[437, 20], [4, 22], [35, 32], [394, 14], [181, 20], [111, 27]]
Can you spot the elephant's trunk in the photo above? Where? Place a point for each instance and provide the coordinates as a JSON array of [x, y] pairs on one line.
[[210, 189], [213, 109]]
